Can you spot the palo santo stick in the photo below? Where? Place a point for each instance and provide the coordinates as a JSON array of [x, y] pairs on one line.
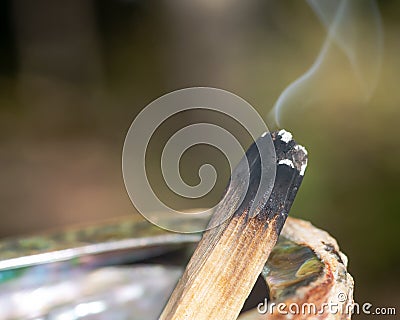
[[229, 258]]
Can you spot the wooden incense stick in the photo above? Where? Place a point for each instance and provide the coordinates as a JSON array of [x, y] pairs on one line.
[[230, 257]]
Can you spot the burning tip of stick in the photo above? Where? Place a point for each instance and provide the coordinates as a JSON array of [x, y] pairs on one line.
[[290, 153]]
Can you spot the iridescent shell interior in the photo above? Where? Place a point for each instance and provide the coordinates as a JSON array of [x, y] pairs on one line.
[[289, 267], [104, 273]]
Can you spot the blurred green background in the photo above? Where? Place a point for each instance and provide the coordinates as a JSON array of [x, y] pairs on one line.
[[74, 74]]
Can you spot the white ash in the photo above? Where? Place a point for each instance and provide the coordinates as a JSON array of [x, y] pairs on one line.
[[304, 165], [286, 136], [303, 168], [299, 147], [287, 162]]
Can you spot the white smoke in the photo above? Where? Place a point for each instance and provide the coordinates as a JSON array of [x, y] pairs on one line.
[[353, 26]]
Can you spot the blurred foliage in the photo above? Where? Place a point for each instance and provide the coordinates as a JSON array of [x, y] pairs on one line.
[[73, 75]]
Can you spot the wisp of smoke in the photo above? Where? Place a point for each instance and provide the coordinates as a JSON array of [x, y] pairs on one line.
[[353, 26]]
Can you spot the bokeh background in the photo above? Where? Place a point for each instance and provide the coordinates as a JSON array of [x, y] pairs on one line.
[[73, 75]]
